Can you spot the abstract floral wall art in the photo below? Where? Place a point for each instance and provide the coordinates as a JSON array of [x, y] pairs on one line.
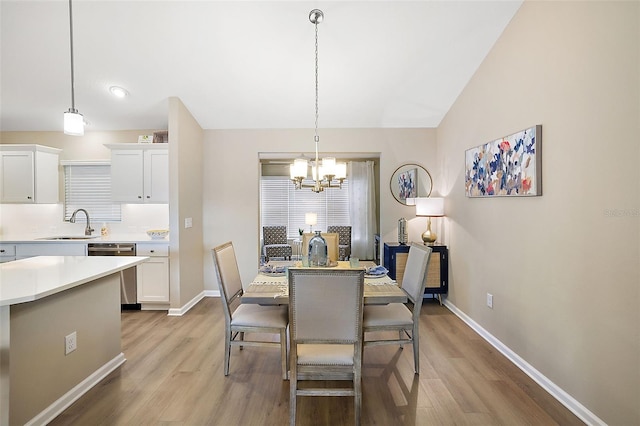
[[509, 166], [408, 184]]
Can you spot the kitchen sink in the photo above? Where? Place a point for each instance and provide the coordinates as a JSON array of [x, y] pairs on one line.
[[79, 237]]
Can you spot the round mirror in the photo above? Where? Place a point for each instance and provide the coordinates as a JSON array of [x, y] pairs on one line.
[[410, 181]]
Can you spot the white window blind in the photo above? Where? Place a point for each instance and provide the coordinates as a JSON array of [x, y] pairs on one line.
[[282, 204], [88, 186]]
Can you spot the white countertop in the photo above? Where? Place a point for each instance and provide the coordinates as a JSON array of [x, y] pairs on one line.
[[140, 237], [31, 279]]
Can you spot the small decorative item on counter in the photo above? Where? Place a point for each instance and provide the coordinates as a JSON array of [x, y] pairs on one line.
[[317, 251], [402, 230], [158, 234], [145, 138], [300, 231], [104, 231]]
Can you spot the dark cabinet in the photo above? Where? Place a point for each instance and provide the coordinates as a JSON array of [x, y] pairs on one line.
[[395, 259]]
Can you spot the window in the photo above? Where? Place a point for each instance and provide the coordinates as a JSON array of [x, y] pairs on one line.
[[88, 186], [282, 204]]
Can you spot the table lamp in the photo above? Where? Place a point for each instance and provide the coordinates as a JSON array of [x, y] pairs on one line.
[[311, 219], [429, 207]]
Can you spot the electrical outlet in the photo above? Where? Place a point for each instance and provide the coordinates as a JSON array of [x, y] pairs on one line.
[[490, 300], [188, 222], [70, 343]]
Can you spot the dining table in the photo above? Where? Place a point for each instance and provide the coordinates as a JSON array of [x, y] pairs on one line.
[[273, 288]]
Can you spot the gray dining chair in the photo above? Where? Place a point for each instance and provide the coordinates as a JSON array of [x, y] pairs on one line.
[[275, 242], [240, 319], [397, 316], [325, 317]]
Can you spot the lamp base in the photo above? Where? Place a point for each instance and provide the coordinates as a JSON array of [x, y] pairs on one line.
[[429, 237]]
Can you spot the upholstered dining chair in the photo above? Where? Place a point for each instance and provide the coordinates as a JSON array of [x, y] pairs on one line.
[[397, 316], [332, 244], [240, 319], [344, 240], [275, 242], [325, 317]]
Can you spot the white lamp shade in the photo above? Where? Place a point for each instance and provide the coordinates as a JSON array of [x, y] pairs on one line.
[[311, 218], [429, 206], [410, 201], [341, 171], [73, 123], [299, 168]]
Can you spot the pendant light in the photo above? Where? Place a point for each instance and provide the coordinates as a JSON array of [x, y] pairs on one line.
[[330, 174], [73, 120]]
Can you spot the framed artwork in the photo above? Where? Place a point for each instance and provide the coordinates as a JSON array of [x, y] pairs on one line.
[[408, 184], [506, 167]]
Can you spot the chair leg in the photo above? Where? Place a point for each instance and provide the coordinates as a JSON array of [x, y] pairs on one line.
[[400, 338], [293, 391], [357, 387], [416, 347], [227, 351], [283, 353], [241, 337]]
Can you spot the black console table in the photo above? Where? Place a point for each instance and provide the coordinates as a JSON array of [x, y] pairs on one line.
[[395, 259]]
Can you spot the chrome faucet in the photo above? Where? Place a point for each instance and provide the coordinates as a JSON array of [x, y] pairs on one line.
[[88, 230]]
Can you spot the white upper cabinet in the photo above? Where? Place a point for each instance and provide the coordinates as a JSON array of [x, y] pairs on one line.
[[29, 174], [139, 173]]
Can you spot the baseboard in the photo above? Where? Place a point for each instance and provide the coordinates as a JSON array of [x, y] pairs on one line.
[[212, 293], [178, 312], [58, 406], [563, 397]]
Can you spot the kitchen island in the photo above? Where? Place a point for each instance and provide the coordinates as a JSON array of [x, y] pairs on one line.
[[47, 303]]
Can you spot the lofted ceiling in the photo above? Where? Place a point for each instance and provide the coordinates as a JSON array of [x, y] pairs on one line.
[[242, 64]]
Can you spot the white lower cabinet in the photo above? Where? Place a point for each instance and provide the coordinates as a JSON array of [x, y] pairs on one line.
[[7, 252], [153, 275]]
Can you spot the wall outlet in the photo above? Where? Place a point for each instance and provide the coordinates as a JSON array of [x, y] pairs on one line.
[[490, 300], [70, 343], [188, 222]]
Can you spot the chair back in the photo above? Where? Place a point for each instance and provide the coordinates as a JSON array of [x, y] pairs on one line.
[[228, 274], [332, 244], [415, 272], [326, 305], [344, 234], [274, 235]]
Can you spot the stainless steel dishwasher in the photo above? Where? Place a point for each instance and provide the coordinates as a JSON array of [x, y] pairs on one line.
[[128, 286]]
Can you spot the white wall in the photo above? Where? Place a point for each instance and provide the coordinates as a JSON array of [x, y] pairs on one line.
[[232, 173], [564, 271]]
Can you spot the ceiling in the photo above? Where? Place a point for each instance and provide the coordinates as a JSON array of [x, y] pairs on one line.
[[242, 64]]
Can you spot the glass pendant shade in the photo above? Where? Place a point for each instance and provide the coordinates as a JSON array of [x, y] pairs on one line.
[[73, 123], [341, 171], [299, 168]]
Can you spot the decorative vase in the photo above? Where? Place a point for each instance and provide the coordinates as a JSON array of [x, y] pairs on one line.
[[317, 251], [402, 231]]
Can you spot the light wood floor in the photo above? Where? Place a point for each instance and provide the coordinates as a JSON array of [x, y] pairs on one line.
[[174, 374]]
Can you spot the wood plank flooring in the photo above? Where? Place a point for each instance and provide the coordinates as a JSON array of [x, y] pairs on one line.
[[174, 375]]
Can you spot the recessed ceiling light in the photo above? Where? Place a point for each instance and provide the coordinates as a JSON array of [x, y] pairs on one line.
[[118, 92]]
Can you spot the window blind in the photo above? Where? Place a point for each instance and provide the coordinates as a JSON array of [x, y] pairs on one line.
[[282, 204], [88, 186]]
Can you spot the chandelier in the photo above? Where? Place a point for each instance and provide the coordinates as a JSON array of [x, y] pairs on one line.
[[329, 174]]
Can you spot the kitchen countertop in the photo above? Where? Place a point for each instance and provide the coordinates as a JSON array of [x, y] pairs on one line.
[[114, 238], [34, 278]]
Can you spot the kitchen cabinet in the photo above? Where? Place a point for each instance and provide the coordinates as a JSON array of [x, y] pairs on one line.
[[25, 250], [153, 275], [29, 174], [139, 173], [7, 252], [395, 259]]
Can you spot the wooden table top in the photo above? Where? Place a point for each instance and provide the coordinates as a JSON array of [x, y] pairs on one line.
[[274, 290]]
